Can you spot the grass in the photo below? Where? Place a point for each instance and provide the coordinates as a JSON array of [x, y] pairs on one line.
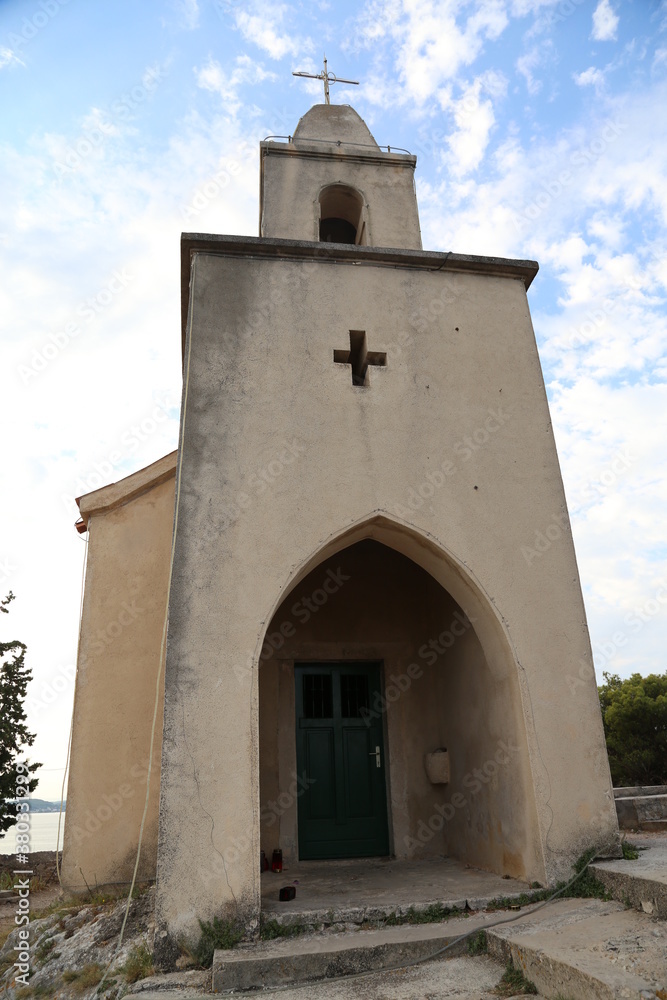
[[269, 930], [587, 886], [83, 979], [513, 983], [69, 907], [139, 964], [478, 945], [45, 946], [630, 851], [433, 914], [41, 990], [8, 881], [218, 934]]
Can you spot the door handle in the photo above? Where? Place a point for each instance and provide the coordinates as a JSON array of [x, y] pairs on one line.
[[376, 753]]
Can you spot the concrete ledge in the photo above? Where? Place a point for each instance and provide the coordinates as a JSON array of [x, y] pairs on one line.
[[636, 810], [281, 249], [641, 883], [630, 791], [585, 949], [316, 957], [345, 915], [116, 494]]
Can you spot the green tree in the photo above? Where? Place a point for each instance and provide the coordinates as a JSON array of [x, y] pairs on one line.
[[14, 734], [634, 713]]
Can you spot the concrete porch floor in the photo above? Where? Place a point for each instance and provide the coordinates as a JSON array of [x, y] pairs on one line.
[[352, 891]]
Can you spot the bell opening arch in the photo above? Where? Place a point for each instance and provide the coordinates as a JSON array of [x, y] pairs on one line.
[[342, 215]]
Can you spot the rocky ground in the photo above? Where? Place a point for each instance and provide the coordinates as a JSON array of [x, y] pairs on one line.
[[74, 943], [75, 954]]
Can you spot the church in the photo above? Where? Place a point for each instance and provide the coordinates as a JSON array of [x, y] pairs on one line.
[[375, 619]]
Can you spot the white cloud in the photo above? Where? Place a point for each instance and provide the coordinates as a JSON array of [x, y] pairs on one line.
[[9, 58], [214, 78], [474, 119], [605, 22], [188, 12], [265, 27], [590, 77], [77, 414], [432, 46], [526, 66]]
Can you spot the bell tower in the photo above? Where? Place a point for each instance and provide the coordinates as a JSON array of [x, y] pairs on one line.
[[331, 182], [365, 461]]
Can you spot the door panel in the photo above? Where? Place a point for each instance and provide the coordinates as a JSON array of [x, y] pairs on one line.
[[321, 768], [343, 811]]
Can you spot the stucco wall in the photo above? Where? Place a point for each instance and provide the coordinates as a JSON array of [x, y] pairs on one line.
[[123, 615], [438, 691], [448, 453], [292, 187]]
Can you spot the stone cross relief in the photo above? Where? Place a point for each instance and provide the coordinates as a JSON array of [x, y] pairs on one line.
[[360, 358]]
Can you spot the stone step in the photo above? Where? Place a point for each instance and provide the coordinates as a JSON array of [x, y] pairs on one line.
[[587, 950], [641, 883], [574, 948], [635, 811], [325, 956]]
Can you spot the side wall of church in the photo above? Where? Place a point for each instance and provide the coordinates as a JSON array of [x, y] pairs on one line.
[[123, 614]]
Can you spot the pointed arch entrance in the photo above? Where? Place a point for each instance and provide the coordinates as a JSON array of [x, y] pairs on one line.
[[370, 664]]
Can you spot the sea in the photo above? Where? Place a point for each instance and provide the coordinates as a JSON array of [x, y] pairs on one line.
[[43, 833]]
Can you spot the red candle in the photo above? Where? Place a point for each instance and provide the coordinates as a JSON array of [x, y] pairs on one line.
[[277, 862]]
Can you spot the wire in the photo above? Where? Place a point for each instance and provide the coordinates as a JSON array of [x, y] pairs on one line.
[[71, 724], [447, 947], [158, 680]]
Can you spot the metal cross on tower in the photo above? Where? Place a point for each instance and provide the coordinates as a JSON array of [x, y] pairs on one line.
[[326, 78]]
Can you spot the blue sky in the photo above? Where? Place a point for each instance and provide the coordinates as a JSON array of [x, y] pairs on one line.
[[541, 132]]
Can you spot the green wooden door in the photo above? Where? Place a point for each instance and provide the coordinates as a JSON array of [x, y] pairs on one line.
[[343, 811]]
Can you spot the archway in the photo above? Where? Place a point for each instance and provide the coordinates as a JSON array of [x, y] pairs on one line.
[[342, 218], [447, 680]]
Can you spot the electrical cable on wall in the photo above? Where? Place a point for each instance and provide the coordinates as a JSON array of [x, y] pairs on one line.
[[71, 725]]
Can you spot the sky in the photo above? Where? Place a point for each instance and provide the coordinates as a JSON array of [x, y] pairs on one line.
[[541, 132]]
